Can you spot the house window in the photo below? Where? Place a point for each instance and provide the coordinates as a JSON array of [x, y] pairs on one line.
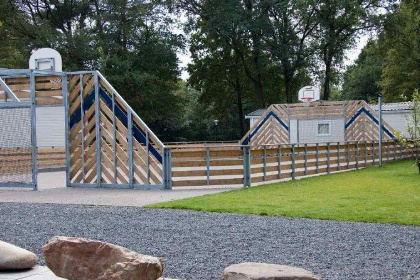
[[324, 128]]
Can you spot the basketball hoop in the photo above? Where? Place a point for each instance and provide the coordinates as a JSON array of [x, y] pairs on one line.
[[306, 99]]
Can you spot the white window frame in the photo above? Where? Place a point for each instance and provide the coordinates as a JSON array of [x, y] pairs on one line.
[[329, 128]]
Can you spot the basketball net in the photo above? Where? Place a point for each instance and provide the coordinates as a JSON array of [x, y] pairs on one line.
[[307, 99]]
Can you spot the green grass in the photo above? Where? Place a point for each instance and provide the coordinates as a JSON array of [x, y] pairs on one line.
[[388, 194]]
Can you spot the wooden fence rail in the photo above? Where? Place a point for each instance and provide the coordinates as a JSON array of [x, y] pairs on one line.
[[245, 165]]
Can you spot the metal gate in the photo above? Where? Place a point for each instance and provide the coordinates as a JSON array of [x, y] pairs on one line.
[[18, 166], [107, 143]]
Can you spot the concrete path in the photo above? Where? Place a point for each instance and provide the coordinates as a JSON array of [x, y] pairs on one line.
[[36, 273], [52, 190]]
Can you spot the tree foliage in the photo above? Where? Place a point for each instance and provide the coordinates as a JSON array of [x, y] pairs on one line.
[[390, 64]]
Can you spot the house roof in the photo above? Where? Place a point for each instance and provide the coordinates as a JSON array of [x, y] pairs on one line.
[[256, 113], [398, 106]]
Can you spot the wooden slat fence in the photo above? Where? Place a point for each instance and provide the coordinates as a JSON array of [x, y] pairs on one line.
[[231, 165], [48, 89], [46, 157]]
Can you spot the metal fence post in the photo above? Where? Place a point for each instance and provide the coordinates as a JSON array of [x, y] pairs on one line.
[[130, 149], [348, 155], [246, 166], [114, 135], [167, 168], [365, 153], [395, 150], [208, 165], [64, 86], [328, 158], [279, 162], [338, 156], [380, 129], [306, 159], [357, 154], [293, 161], [265, 163], [82, 117], [33, 132], [373, 152], [147, 158], [98, 132]]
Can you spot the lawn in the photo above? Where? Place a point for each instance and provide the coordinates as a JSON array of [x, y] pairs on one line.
[[387, 194]]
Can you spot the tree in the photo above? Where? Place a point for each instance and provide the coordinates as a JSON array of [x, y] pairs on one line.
[[401, 72], [339, 24], [292, 24], [389, 64], [413, 127], [361, 80]]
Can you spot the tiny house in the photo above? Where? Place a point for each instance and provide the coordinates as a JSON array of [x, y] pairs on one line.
[[316, 122]]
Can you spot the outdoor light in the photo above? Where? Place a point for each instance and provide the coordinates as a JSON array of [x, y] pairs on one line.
[[215, 124]]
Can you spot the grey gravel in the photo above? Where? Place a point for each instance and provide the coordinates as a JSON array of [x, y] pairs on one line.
[[198, 246]]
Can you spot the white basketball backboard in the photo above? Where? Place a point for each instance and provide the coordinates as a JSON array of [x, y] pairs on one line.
[[309, 94], [46, 59]]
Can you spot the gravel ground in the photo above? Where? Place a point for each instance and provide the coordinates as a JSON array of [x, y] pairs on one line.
[[197, 246]]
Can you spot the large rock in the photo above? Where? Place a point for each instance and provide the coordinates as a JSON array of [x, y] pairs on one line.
[[264, 271], [80, 258], [13, 257]]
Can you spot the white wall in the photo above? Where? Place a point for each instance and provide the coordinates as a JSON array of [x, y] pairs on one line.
[[308, 131], [397, 120], [50, 126], [253, 120]]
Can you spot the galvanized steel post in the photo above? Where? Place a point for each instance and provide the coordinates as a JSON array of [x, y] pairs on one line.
[[279, 162], [66, 125], [328, 158], [265, 164], [246, 166], [114, 136], [380, 129], [167, 168], [33, 132], [306, 159], [338, 156], [130, 149], [82, 120], [293, 161], [357, 154], [98, 132], [208, 166]]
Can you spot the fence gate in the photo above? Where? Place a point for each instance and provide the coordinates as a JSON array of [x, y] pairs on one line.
[[17, 140], [107, 144]]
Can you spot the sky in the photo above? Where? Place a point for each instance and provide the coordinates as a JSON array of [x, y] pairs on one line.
[[185, 58]]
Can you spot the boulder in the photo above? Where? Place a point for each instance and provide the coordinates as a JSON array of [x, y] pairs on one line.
[[265, 271], [80, 258], [15, 258]]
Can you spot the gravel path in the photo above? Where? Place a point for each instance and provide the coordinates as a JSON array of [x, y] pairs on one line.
[[197, 246]]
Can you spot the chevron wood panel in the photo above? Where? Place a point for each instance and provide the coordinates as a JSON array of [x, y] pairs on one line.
[[78, 89], [363, 127]]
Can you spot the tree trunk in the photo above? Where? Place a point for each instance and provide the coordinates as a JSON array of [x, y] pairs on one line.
[[327, 79], [240, 107], [288, 88]]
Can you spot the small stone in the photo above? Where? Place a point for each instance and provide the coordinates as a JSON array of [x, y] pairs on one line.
[[15, 258], [264, 271], [79, 258]]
